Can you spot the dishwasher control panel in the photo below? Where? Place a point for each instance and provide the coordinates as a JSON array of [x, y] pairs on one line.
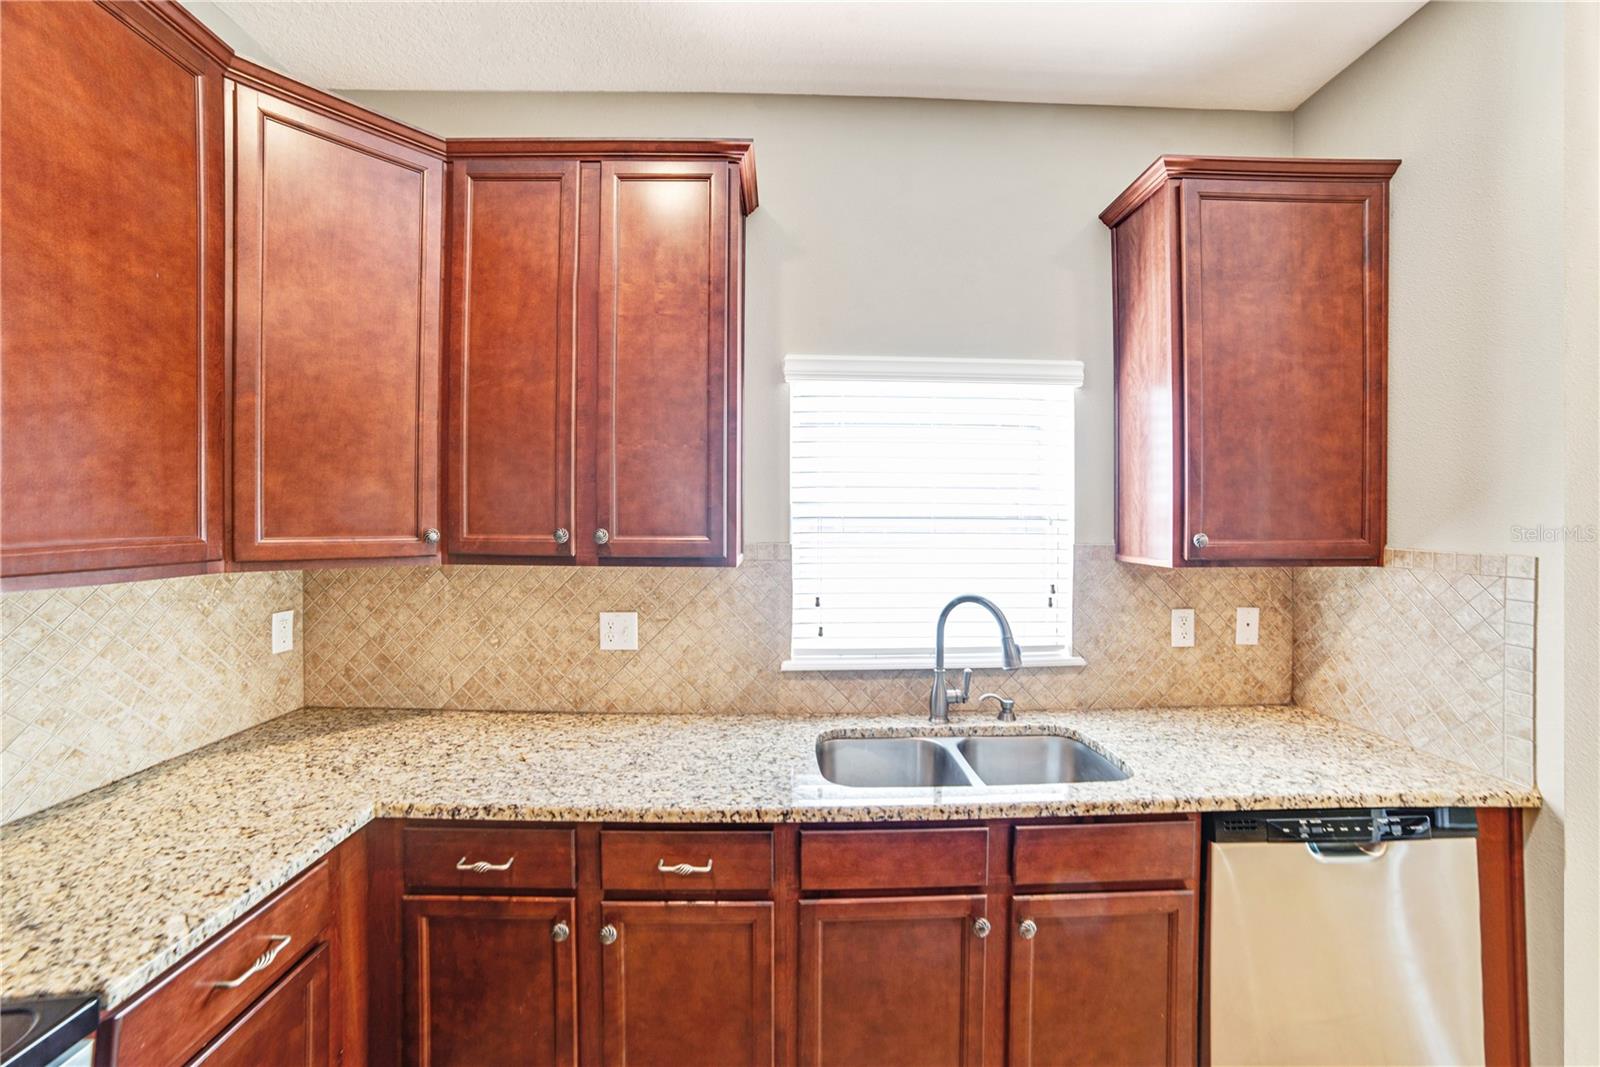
[[1343, 826]]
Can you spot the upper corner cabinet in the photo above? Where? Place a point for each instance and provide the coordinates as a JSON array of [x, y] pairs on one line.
[[595, 350], [337, 241], [111, 295], [1251, 328]]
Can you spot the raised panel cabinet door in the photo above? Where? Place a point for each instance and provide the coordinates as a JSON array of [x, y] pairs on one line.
[[512, 352], [337, 237], [1285, 348], [892, 982], [489, 980], [111, 292], [1103, 978], [688, 982], [667, 375], [287, 1027]]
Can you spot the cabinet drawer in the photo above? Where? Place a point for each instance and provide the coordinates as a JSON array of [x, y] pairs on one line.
[[201, 995], [688, 861], [894, 859], [488, 858], [1105, 854]]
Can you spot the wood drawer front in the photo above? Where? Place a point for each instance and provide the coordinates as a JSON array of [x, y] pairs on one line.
[[738, 860], [188, 1007], [1108, 854], [488, 858], [894, 859]]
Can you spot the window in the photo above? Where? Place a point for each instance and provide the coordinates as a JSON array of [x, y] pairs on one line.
[[912, 481]]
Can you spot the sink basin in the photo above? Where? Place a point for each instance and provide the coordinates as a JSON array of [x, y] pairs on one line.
[[1036, 759], [889, 762], [1001, 759]]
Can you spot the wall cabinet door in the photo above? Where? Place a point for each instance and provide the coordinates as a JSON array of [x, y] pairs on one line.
[[668, 373], [336, 347], [513, 351], [894, 982], [1103, 978], [489, 980], [111, 296], [688, 982], [287, 1027], [1285, 335]]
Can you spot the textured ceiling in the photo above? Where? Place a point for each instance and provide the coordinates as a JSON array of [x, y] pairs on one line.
[[1258, 56]]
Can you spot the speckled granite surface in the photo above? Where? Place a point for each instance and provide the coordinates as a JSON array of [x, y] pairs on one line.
[[103, 893]]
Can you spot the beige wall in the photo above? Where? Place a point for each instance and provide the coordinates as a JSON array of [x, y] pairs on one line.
[[901, 227], [1491, 390]]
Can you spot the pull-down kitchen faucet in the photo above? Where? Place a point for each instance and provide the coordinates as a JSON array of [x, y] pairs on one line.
[[940, 699]]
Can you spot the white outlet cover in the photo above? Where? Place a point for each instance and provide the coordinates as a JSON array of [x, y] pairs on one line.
[[1247, 626], [1182, 627], [282, 631], [619, 631]]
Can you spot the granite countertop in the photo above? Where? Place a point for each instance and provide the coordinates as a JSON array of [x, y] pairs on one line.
[[103, 893]]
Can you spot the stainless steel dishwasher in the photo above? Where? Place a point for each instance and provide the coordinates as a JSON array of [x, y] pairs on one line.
[[1344, 937]]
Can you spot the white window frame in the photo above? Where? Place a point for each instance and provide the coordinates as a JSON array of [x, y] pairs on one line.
[[1066, 373]]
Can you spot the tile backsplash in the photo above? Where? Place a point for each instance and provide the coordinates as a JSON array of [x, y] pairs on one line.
[[96, 683], [712, 640], [1434, 649], [99, 682]]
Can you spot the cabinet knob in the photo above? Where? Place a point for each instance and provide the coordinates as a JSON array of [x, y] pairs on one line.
[[1201, 540], [601, 537], [431, 536], [608, 934], [562, 536], [1026, 929], [981, 927], [560, 932]]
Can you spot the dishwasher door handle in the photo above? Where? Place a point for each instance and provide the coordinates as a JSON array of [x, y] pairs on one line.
[[1347, 853]]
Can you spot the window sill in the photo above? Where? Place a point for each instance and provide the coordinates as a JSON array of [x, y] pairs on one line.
[[953, 662]]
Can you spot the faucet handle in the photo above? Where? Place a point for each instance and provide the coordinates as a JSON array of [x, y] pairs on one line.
[[966, 685]]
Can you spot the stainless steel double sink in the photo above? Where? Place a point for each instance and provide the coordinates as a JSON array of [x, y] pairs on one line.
[[902, 762]]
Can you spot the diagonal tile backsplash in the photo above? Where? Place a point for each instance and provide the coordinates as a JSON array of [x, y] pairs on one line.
[[712, 640], [99, 682], [1434, 649]]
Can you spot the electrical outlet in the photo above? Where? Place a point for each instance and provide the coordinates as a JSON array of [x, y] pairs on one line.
[[282, 631], [619, 631], [1182, 627], [1247, 626]]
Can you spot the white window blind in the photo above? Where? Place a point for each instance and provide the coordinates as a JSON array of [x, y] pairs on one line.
[[912, 481]]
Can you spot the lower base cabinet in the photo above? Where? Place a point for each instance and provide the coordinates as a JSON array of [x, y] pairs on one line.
[[1103, 978], [489, 980], [287, 1027], [892, 982], [687, 982]]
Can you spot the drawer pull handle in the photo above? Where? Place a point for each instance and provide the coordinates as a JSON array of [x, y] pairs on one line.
[[483, 866], [684, 869], [263, 961]]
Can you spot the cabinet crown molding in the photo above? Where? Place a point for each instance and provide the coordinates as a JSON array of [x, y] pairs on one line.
[[1261, 168], [734, 150]]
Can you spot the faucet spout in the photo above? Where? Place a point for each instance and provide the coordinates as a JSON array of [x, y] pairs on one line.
[[941, 698]]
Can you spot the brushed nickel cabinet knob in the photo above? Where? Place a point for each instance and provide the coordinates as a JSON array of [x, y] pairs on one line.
[[431, 536], [560, 932], [562, 536], [981, 927], [601, 537], [608, 934], [1026, 929], [1201, 540]]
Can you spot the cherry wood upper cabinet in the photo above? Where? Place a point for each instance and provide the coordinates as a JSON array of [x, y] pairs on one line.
[[688, 982], [892, 982], [489, 980], [669, 362], [111, 382], [1103, 978], [337, 235], [513, 357], [1251, 325]]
